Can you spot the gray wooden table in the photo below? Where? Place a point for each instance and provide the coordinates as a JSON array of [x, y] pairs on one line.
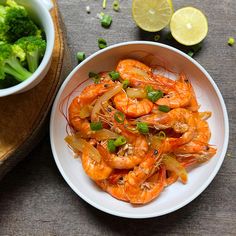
[[34, 198]]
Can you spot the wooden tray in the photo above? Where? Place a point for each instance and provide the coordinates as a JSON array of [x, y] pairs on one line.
[[23, 115]]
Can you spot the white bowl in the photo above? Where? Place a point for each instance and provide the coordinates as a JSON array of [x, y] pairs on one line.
[[39, 11], [174, 196]]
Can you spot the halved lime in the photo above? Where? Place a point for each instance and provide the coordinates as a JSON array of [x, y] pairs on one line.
[[189, 26], [152, 15], [171, 5]]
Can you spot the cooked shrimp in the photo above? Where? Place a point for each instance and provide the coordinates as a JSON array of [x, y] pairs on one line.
[[115, 190], [132, 107], [147, 190], [178, 93], [137, 187], [180, 119], [171, 178], [95, 170], [196, 158], [114, 185], [87, 96], [133, 152], [138, 74], [193, 104], [128, 157], [199, 143]]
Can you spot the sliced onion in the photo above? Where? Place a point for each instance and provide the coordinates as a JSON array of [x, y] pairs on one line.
[[104, 98], [173, 165], [155, 141], [99, 135], [85, 111], [104, 134], [79, 144], [136, 93], [205, 115]]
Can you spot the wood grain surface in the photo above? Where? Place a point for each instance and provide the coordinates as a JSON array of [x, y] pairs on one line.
[[34, 198], [22, 115]]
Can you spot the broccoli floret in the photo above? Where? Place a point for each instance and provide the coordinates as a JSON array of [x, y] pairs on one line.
[[34, 48], [16, 22], [10, 64], [3, 26]]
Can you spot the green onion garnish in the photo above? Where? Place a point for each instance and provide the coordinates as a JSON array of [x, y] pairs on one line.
[[194, 49], [120, 141], [111, 146], [163, 108], [155, 95], [104, 4], [231, 41], [116, 5], [125, 84], [102, 43], [191, 53], [106, 21], [80, 56], [162, 135], [157, 37], [149, 89], [96, 77], [96, 126], [119, 117], [114, 75], [142, 128]]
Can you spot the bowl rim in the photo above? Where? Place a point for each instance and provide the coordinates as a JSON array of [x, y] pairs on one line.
[[46, 58], [199, 190]]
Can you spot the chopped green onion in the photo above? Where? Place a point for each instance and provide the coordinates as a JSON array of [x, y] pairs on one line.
[[231, 41], [119, 117], [157, 37], [120, 141], [106, 21], [142, 128], [191, 53], [116, 5], [114, 75], [104, 4], [155, 95], [102, 43], [125, 84], [96, 77], [96, 126], [163, 108], [111, 146], [149, 89], [162, 135], [80, 56], [194, 49], [100, 15]]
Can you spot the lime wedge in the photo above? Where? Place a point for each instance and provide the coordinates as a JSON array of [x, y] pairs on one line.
[[152, 15], [188, 26]]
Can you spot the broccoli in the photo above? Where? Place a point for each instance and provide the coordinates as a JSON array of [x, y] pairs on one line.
[[10, 64], [3, 27], [34, 48], [15, 22]]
